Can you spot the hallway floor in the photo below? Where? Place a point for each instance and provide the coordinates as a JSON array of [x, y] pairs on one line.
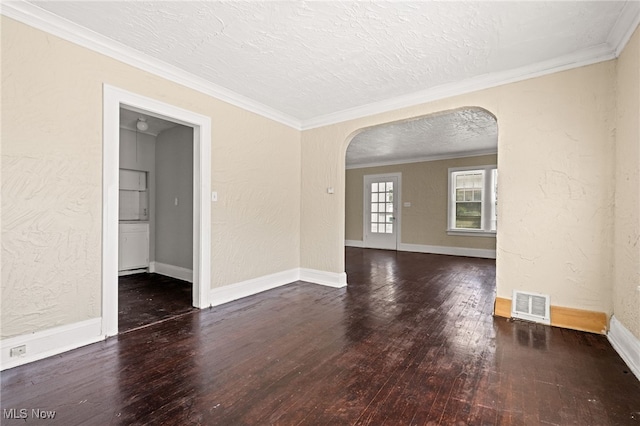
[[144, 299]]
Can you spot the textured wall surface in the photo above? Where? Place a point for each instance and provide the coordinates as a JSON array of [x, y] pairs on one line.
[[425, 186], [174, 180], [52, 189], [555, 156], [626, 288]]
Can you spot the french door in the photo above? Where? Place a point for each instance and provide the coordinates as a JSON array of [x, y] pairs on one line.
[[381, 215]]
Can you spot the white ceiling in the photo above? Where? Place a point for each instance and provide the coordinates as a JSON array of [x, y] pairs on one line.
[[311, 59], [129, 119], [312, 63]]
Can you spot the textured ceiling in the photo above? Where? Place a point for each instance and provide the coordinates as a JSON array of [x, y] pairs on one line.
[[312, 63], [456, 133], [311, 59]]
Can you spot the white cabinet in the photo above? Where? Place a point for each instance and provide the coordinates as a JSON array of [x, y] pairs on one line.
[[133, 246], [133, 180]]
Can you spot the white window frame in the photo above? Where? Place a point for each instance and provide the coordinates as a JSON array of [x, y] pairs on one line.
[[487, 204]]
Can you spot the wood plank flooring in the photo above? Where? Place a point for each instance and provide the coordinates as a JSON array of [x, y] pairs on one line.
[[410, 341], [145, 299]]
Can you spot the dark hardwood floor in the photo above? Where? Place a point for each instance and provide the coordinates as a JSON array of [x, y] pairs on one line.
[[145, 299], [410, 341]]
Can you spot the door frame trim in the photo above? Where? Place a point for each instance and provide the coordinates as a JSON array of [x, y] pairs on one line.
[[113, 99], [365, 201]]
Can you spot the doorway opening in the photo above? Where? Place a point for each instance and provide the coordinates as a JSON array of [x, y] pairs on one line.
[[155, 222], [425, 153], [141, 201]]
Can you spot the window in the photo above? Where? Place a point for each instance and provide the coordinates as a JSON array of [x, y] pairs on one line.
[[473, 197]]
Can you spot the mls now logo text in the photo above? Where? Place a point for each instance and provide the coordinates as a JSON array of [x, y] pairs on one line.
[[24, 413]]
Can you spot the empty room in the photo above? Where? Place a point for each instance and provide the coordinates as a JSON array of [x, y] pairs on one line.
[[249, 213]]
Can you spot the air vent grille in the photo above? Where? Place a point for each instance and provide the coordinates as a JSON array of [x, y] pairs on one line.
[[531, 307]]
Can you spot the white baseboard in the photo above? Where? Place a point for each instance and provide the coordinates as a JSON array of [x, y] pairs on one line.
[[331, 279], [172, 271], [354, 243], [236, 291], [453, 251], [422, 248], [53, 341], [46, 343], [133, 272], [626, 344]]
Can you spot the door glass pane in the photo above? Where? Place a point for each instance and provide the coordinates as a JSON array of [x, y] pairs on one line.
[[381, 218], [374, 187], [389, 197], [374, 207], [374, 228], [389, 207], [374, 217], [389, 228], [374, 198], [381, 187], [389, 217]]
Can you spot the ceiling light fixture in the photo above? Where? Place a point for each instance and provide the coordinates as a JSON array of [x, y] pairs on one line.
[[142, 124]]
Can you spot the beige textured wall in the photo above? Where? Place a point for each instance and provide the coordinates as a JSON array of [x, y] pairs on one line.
[[52, 188], [425, 185], [555, 156], [626, 287]]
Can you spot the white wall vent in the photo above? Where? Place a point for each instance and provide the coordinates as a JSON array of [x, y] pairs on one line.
[[531, 307]]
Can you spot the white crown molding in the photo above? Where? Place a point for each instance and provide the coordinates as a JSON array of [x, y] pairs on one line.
[[599, 53], [43, 20], [625, 26], [424, 159]]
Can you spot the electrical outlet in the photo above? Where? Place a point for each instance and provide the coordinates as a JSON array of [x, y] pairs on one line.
[[18, 351]]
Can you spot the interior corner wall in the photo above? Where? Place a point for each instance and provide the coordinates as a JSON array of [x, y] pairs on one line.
[[626, 283], [426, 186], [174, 197], [555, 156], [52, 112]]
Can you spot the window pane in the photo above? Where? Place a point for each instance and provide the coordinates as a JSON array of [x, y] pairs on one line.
[[459, 194], [374, 207], [374, 187], [389, 228], [468, 215], [477, 195]]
